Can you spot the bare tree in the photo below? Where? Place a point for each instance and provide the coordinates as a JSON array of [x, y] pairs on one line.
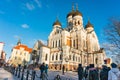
[[112, 34]]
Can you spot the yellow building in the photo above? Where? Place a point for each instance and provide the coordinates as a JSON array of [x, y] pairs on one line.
[[20, 54]]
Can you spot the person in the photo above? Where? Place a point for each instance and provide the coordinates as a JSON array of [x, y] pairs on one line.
[[114, 73], [86, 72], [63, 69], [93, 73], [104, 73], [42, 69], [80, 72], [57, 77], [46, 69], [119, 67]]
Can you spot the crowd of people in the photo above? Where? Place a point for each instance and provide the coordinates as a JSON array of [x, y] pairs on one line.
[[105, 73]]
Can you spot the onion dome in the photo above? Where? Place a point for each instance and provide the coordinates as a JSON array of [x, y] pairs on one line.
[[57, 23], [19, 42], [71, 13], [89, 24], [77, 13]]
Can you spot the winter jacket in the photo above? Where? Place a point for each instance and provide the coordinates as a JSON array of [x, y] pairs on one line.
[[114, 74], [46, 69], [93, 74], [42, 68], [80, 73], [104, 73]]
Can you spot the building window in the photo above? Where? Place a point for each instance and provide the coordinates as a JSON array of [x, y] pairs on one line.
[[79, 59], [56, 56], [73, 57], [53, 57], [77, 43], [73, 43], [60, 56], [96, 60], [70, 57], [56, 43], [46, 57], [59, 43], [76, 58], [53, 44]]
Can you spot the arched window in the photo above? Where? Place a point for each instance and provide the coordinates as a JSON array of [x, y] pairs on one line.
[[46, 57], [53, 44], [53, 57], [59, 43], [78, 22], [96, 60], [56, 43], [56, 56], [73, 43], [76, 58], [70, 57], [73, 57], [60, 56]]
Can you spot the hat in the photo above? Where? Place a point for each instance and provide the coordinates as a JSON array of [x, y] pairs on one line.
[[113, 65]]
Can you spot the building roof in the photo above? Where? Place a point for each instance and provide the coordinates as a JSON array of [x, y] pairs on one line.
[[41, 44], [89, 24], [57, 23], [74, 12], [23, 46]]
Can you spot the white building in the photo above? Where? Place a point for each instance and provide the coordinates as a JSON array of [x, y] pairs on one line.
[[70, 46], [20, 54]]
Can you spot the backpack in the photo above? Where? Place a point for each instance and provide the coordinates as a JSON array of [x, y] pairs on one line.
[[104, 75], [93, 75]]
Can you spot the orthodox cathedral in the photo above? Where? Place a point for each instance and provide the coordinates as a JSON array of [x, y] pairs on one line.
[[70, 46]]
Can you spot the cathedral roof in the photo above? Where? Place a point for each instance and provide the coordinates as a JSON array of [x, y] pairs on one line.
[[57, 23], [77, 13], [89, 24], [74, 13]]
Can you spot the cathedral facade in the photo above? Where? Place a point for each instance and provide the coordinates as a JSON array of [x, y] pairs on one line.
[[70, 46]]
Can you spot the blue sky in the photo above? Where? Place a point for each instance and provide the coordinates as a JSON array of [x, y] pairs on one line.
[[32, 20]]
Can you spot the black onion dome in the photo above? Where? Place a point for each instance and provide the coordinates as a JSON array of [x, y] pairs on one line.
[[57, 23], [70, 14], [89, 25], [77, 13]]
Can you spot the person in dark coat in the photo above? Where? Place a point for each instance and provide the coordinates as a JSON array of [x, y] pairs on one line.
[[42, 68], [104, 73], [46, 69], [63, 69], [80, 72], [93, 73], [86, 72]]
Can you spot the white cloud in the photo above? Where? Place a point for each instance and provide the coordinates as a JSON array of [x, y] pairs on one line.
[[25, 26], [38, 3], [16, 36], [30, 6]]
